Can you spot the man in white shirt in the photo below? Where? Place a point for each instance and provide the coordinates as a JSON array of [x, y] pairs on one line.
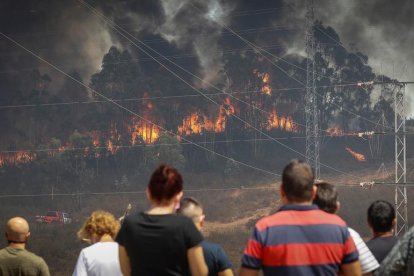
[[327, 200]]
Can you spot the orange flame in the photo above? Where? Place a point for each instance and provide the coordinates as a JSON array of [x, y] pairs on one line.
[[146, 101], [280, 122], [356, 155], [197, 124], [191, 125], [334, 131], [16, 158], [149, 133], [266, 89], [95, 138], [226, 110], [114, 138]]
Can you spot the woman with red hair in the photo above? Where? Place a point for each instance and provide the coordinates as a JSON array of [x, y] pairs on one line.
[[158, 242]]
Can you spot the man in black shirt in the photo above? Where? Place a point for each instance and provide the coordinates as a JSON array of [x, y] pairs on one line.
[[217, 261], [381, 220]]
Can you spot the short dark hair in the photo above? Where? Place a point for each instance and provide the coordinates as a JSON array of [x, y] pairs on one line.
[[326, 197], [297, 181], [165, 183], [381, 215], [191, 208]]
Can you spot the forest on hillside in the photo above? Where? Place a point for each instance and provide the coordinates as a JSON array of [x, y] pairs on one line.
[[143, 107]]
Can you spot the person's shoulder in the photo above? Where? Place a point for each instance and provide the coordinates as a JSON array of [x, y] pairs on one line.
[[333, 218], [211, 246], [179, 219], [268, 220], [33, 257], [99, 247], [354, 234]]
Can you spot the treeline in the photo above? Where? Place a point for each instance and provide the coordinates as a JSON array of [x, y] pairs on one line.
[[72, 136]]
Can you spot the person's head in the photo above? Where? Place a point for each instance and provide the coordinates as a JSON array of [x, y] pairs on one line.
[[165, 186], [191, 208], [98, 224], [381, 216], [17, 231], [326, 197], [297, 183]]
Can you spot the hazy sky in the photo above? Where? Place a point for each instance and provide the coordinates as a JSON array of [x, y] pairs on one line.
[[69, 35], [381, 29]]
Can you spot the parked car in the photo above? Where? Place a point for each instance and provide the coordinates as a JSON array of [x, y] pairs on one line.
[[54, 217]]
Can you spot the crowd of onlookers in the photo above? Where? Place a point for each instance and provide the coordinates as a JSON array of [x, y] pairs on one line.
[[304, 237]]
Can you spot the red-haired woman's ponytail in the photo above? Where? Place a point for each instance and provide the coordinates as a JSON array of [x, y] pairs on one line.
[[165, 183]]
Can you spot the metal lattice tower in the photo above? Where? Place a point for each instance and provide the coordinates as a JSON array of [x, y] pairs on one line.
[[400, 162], [311, 106]]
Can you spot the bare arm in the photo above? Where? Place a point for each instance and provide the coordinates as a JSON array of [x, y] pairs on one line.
[[226, 272], [351, 269], [248, 272], [124, 261], [196, 261]]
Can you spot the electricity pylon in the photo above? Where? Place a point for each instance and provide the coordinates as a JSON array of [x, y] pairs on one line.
[[400, 162], [311, 106]]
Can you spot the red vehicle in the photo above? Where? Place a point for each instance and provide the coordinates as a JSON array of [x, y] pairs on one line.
[[54, 217]]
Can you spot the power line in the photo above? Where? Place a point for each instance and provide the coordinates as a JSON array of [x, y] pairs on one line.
[[174, 144], [132, 112], [238, 188], [187, 83]]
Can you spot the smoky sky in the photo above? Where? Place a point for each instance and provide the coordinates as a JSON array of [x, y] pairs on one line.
[[69, 35], [383, 30]]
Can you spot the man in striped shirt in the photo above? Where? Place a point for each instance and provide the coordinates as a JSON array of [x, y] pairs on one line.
[[327, 200], [300, 239]]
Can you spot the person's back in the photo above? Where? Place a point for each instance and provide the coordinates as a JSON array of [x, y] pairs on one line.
[[159, 242], [327, 199], [300, 239], [381, 219], [100, 258], [21, 262], [15, 260], [216, 259], [381, 246]]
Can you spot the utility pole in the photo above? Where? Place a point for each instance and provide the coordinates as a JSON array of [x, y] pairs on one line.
[[400, 156], [400, 162], [311, 106]]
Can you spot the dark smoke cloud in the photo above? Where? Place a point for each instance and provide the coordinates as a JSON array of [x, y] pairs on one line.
[[60, 31], [382, 30], [69, 35]]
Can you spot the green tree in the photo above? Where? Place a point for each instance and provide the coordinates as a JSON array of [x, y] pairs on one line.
[[166, 149]]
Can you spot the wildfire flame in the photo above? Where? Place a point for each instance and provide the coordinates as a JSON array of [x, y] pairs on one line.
[[356, 155], [147, 102], [140, 131], [16, 158], [334, 131], [193, 125], [149, 133], [115, 137], [280, 122], [265, 77], [197, 124]]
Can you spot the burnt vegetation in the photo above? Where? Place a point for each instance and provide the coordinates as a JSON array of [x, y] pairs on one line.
[[60, 137]]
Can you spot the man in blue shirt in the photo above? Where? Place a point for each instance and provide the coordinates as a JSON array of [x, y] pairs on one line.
[[215, 257]]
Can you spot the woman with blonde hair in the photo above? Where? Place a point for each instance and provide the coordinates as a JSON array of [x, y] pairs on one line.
[[100, 258]]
